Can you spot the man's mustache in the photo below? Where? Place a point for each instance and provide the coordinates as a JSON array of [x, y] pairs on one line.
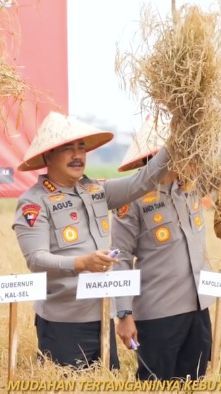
[[76, 163]]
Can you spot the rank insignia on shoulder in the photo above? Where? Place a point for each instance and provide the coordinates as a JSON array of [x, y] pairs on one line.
[[49, 186], [31, 212], [122, 211]]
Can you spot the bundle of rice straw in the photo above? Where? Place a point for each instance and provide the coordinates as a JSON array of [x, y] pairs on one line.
[[13, 88], [177, 71]]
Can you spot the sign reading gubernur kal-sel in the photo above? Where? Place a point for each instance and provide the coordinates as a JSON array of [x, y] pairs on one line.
[[108, 284], [23, 287]]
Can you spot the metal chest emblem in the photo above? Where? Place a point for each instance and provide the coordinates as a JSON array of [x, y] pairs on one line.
[[70, 234], [56, 197], [163, 234], [158, 217], [151, 197], [105, 225]]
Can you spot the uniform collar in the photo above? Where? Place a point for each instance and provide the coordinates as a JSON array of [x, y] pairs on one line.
[[165, 188], [170, 187]]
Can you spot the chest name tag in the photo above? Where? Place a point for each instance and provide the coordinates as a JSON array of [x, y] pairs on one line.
[[153, 207], [62, 205]]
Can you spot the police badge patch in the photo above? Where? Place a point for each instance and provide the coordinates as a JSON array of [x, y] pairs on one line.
[[31, 212], [122, 211], [163, 234], [70, 234]]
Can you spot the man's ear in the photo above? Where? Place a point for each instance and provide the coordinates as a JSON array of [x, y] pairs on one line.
[[46, 157]]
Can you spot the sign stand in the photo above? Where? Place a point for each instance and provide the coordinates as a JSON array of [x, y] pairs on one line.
[[105, 332], [105, 286], [216, 347], [13, 340], [210, 284], [13, 289]]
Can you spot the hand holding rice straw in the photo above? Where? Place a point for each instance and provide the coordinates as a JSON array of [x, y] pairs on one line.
[[177, 70]]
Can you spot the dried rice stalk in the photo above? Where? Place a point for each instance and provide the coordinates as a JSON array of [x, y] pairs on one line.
[[177, 71], [13, 88], [11, 83]]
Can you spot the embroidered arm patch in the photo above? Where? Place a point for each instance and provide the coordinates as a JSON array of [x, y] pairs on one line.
[[31, 212]]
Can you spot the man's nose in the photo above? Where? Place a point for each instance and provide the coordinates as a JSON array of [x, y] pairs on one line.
[[76, 153]]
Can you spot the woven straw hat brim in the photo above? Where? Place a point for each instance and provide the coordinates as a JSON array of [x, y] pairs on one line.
[[136, 163], [146, 142], [92, 141]]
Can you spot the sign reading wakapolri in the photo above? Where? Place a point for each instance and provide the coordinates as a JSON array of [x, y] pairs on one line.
[[24, 287], [109, 284]]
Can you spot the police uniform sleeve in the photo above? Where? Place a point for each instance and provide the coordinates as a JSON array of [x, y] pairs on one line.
[[123, 190], [124, 233], [33, 233]]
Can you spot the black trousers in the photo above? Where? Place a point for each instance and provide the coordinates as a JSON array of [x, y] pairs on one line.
[[175, 346], [76, 344]]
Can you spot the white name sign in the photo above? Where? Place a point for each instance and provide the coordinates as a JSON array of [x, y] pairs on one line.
[[108, 284], [24, 287], [210, 283]]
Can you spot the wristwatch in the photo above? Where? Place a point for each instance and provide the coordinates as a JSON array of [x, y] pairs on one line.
[[123, 314]]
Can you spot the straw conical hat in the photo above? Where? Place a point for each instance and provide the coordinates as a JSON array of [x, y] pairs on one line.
[[56, 130], [145, 143]]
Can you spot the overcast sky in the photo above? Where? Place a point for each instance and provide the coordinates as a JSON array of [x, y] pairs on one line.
[[94, 28]]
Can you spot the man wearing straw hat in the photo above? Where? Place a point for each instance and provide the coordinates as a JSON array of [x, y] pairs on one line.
[[164, 231], [62, 228]]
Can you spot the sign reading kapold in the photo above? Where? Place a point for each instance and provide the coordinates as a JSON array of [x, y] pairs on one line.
[[210, 283]]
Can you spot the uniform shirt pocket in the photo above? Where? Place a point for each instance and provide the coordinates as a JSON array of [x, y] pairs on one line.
[[163, 234], [62, 210], [162, 229], [67, 216], [103, 225], [69, 235], [100, 209], [101, 216], [67, 228], [155, 218]]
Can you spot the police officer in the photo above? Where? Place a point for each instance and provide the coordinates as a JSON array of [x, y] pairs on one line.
[[62, 228], [164, 230]]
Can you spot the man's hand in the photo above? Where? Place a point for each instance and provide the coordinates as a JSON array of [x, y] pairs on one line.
[[98, 261], [126, 329]]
